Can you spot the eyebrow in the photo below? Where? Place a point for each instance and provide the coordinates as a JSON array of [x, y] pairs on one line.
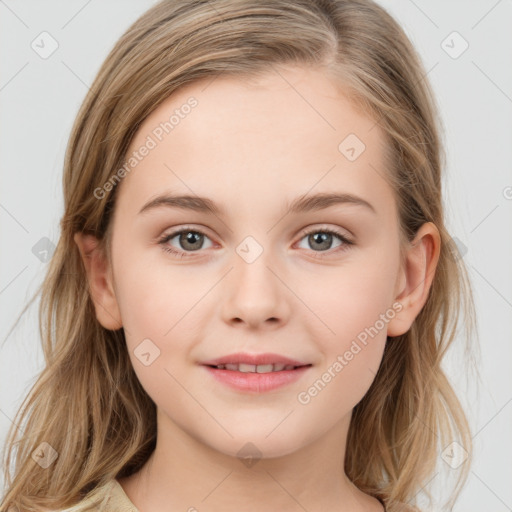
[[299, 205]]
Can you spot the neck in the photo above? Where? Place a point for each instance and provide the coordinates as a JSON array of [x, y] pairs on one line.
[[311, 478]]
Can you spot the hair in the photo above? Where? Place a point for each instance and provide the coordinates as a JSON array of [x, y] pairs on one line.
[[87, 402]]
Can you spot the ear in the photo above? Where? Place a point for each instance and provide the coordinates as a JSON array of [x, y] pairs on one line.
[[415, 277], [100, 281]]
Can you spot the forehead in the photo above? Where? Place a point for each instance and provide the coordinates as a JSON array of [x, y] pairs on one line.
[[281, 134]]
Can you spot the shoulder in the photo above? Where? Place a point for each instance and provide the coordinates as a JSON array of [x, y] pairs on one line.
[[402, 507], [110, 497]]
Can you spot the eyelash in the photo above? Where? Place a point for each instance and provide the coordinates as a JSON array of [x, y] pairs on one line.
[[184, 254]]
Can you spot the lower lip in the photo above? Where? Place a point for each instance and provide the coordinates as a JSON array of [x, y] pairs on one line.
[[257, 382]]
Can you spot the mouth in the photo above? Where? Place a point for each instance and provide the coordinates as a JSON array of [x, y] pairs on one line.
[[256, 378], [256, 373], [259, 368]]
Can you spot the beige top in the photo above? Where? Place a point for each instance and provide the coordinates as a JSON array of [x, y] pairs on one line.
[[114, 499], [117, 500]]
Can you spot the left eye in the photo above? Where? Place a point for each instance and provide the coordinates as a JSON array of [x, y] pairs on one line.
[[192, 240], [324, 239]]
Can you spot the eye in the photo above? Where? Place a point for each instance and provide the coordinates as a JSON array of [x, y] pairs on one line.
[[323, 239], [192, 240], [189, 240]]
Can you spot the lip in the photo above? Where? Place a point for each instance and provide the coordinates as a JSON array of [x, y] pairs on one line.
[[256, 383], [254, 359]]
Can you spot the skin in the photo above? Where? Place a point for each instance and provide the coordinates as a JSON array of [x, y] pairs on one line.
[[251, 146]]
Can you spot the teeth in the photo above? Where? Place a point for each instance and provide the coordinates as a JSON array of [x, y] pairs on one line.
[[251, 368], [245, 368], [265, 368]]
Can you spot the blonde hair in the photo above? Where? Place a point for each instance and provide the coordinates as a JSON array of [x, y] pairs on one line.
[[87, 403]]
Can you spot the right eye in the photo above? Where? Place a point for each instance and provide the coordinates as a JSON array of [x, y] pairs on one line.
[[190, 240]]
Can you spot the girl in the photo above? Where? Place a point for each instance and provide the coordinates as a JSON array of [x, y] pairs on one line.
[[254, 287]]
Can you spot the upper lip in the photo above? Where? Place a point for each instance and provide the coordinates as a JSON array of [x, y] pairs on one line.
[[253, 359]]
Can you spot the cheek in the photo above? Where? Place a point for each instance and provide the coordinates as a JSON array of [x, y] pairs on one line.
[[162, 312], [353, 306], [154, 313], [351, 337], [350, 298], [152, 297]]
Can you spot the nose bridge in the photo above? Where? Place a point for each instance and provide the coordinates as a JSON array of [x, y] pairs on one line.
[[254, 258], [254, 293]]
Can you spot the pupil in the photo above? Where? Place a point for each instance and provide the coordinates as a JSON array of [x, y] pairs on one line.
[[191, 238], [322, 237]]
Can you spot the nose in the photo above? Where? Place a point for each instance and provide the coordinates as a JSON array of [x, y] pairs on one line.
[[254, 295]]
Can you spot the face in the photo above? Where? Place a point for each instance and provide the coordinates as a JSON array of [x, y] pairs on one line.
[[313, 284]]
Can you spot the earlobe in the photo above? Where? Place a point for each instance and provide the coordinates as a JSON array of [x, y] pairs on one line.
[[417, 276], [100, 281]]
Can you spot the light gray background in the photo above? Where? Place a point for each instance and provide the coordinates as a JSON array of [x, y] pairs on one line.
[[39, 99]]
